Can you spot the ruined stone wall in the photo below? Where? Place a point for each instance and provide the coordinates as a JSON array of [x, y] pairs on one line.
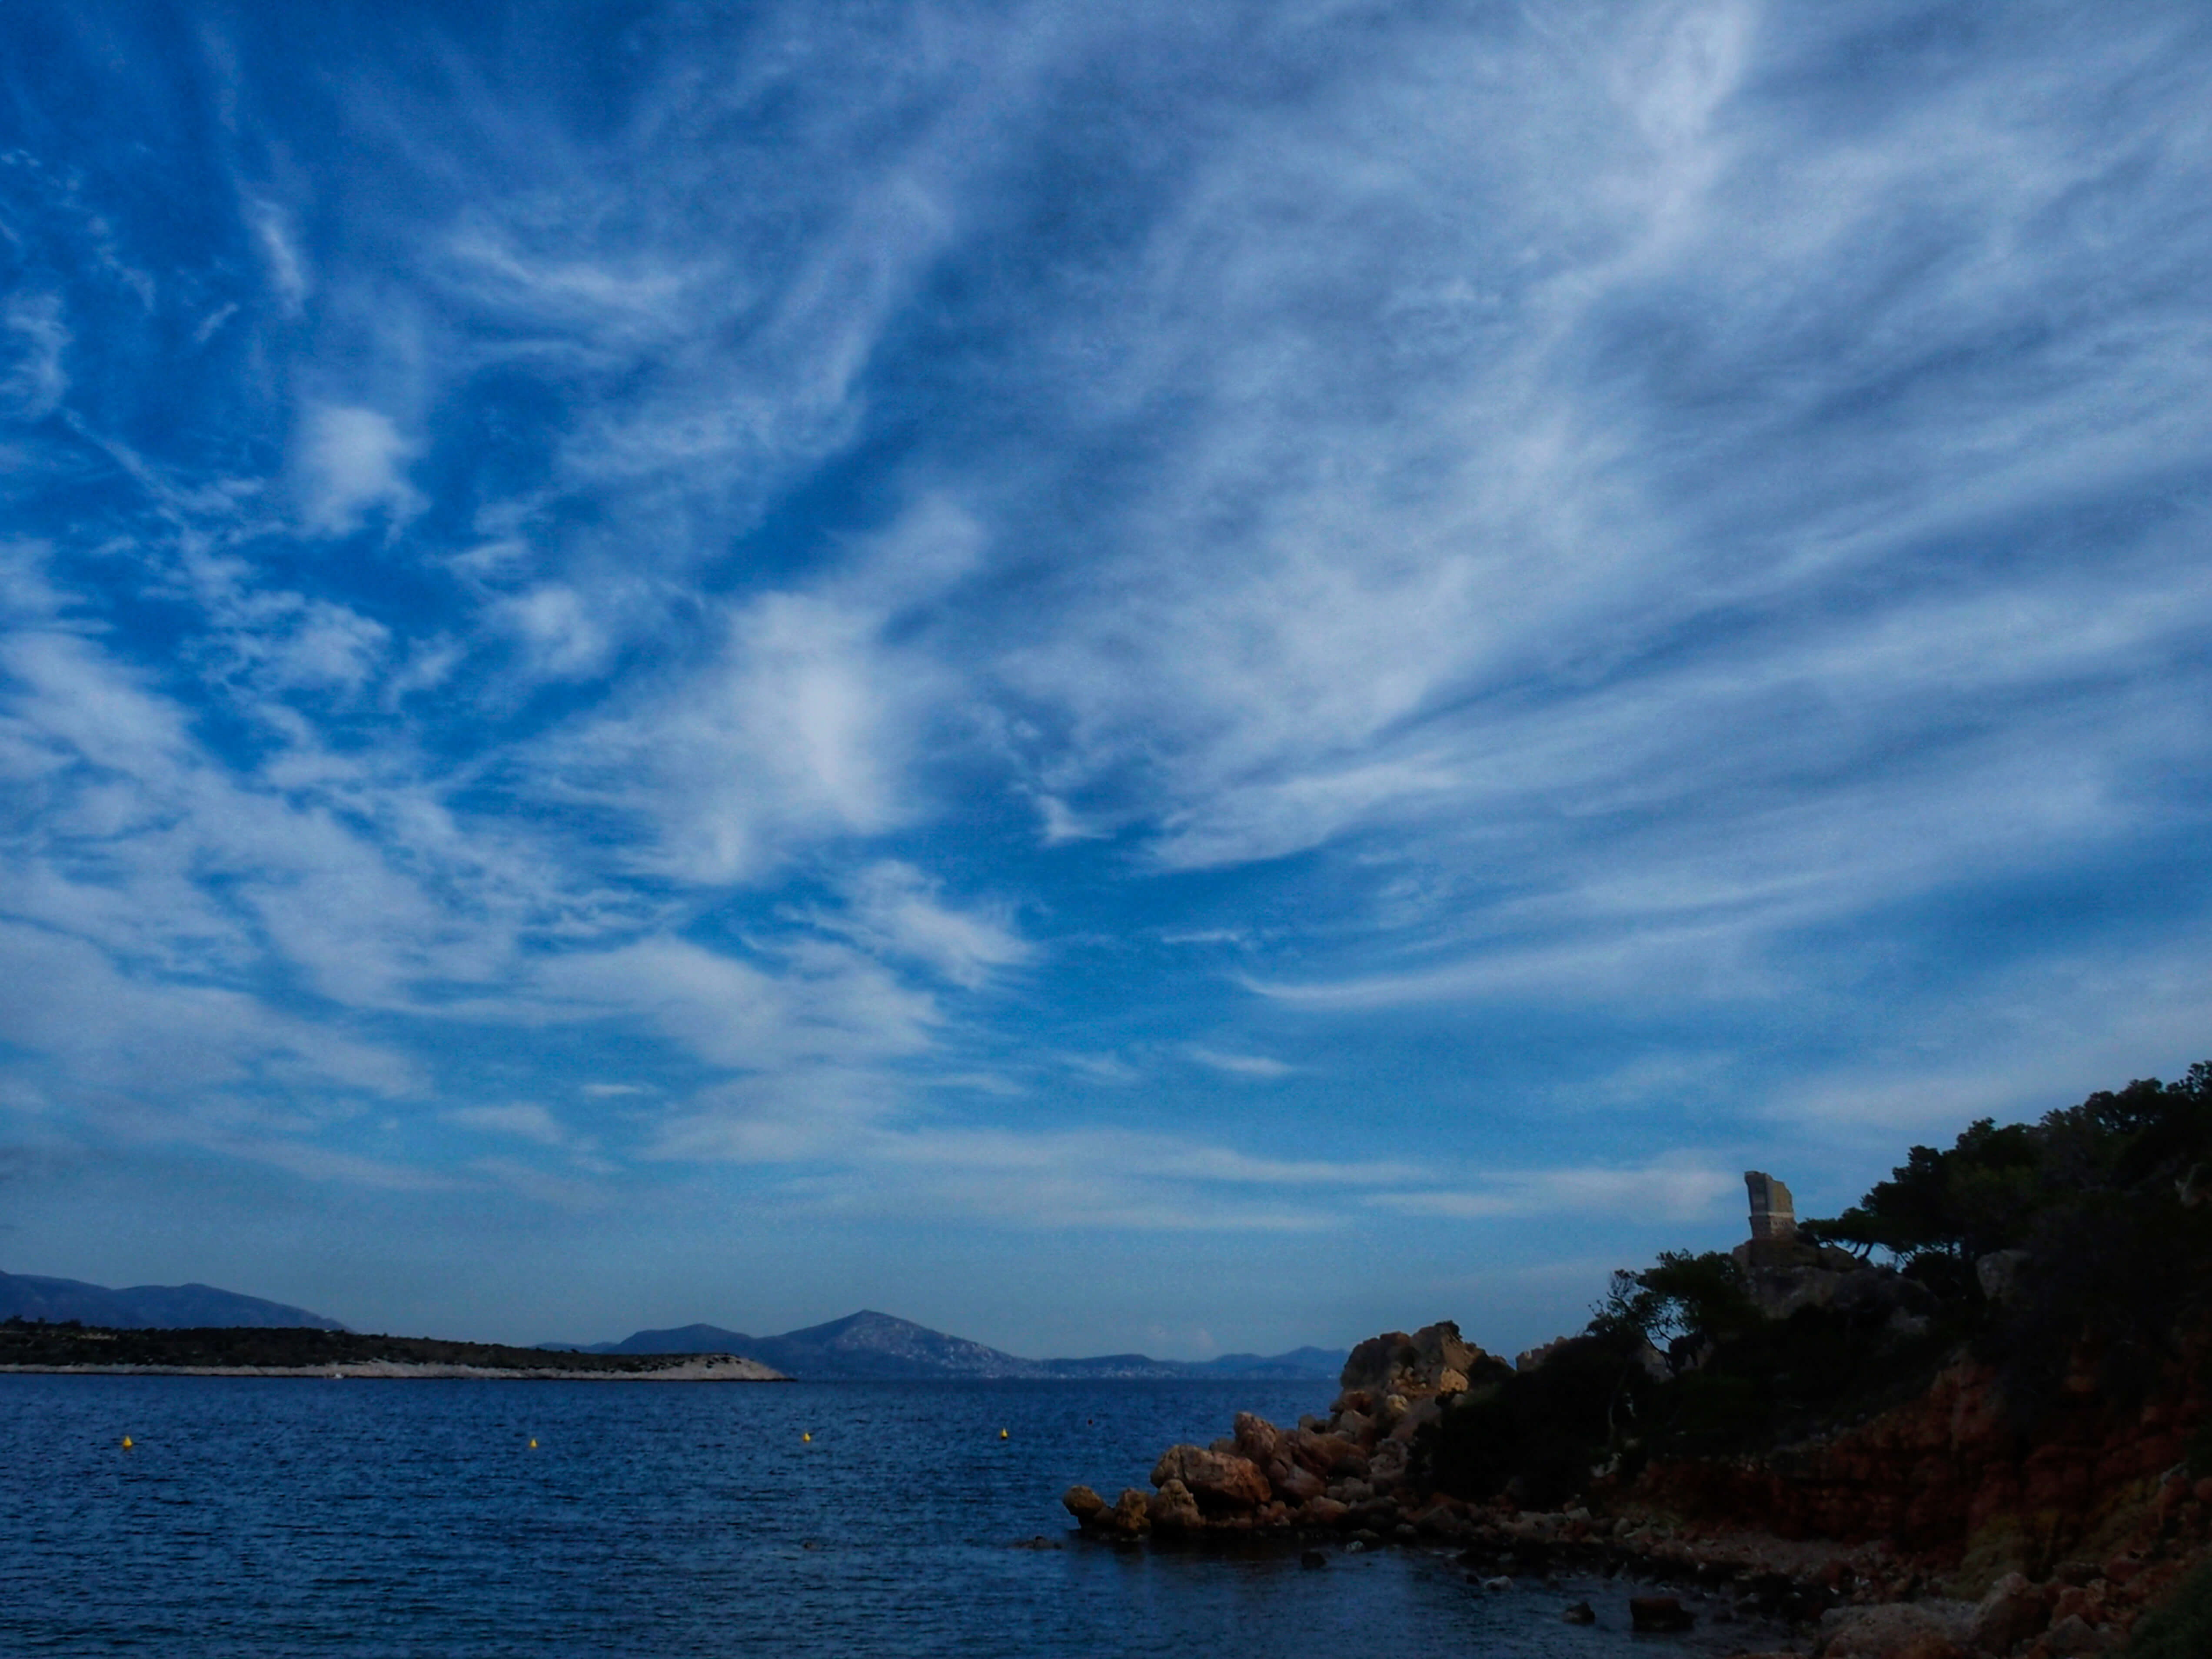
[[1773, 1215]]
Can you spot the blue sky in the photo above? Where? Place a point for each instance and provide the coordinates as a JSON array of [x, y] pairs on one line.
[[1129, 677]]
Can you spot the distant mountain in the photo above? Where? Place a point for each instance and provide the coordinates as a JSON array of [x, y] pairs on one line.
[[146, 1307], [877, 1346], [684, 1339], [1299, 1364]]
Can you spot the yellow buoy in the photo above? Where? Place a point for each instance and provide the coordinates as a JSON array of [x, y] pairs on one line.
[[534, 1445], [807, 1437], [126, 1443], [1002, 1434]]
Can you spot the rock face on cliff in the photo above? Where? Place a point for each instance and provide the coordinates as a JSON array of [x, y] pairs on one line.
[[1956, 1474]]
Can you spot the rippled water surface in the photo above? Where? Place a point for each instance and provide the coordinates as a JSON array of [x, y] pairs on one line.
[[279, 1516]]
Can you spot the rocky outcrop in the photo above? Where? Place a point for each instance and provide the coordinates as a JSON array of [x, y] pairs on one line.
[[1944, 1527], [1780, 1277], [1434, 1360], [1346, 1471], [1220, 1482]]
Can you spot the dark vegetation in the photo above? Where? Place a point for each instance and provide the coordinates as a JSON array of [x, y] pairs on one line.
[[2182, 1629], [2090, 1230], [32, 1342]]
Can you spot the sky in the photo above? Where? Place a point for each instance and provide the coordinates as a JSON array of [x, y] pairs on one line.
[[1147, 677]]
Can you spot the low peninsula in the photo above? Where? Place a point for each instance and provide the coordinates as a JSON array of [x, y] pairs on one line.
[[265, 1351]]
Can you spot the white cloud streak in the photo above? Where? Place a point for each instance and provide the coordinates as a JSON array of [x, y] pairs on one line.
[[1574, 507]]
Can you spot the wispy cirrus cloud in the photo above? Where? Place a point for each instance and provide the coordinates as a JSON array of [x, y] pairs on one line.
[[1640, 568]]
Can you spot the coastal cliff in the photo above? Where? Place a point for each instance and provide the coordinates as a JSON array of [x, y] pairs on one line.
[[1997, 1441]]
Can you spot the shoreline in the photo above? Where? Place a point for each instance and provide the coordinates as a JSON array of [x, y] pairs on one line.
[[1950, 1532], [708, 1369]]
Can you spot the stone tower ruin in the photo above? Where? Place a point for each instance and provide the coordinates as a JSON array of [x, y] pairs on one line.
[[1773, 1218]]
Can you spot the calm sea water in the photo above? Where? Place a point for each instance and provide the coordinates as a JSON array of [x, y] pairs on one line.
[[277, 1516]]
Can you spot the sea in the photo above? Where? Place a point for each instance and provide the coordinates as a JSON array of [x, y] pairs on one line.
[[296, 1516]]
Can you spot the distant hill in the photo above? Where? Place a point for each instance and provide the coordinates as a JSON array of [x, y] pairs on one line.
[[146, 1307], [1299, 1364], [871, 1346]]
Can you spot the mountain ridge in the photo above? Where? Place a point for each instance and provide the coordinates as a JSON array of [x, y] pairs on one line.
[[869, 1346], [149, 1307]]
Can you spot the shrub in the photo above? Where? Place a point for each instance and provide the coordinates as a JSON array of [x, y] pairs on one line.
[[2182, 1629]]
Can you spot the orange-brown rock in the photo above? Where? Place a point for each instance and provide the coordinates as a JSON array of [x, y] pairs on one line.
[[1173, 1509], [1323, 1512], [1258, 1439], [1434, 1360], [1131, 1516], [1326, 1455], [1221, 1482], [1085, 1504], [1954, 1466]]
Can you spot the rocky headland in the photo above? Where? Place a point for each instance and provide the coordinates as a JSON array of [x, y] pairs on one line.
[[1996, 1444]]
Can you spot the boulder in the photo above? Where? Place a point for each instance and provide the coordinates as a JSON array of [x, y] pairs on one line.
[[1371, 1365], [1443, 1349], [1294, 1482], [1412, 1365], [1326, 1454], [1085, 1504], [1258, 1439], [1173, 1509], [1579, 1613], [2012, 1611], [1132, 1514], [1391, 1456], [1779, 1290], [1323, 1512], [1379, 1514], [1221, 1482]]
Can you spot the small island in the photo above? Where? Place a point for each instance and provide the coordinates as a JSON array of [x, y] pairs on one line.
[[265, 1351]]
